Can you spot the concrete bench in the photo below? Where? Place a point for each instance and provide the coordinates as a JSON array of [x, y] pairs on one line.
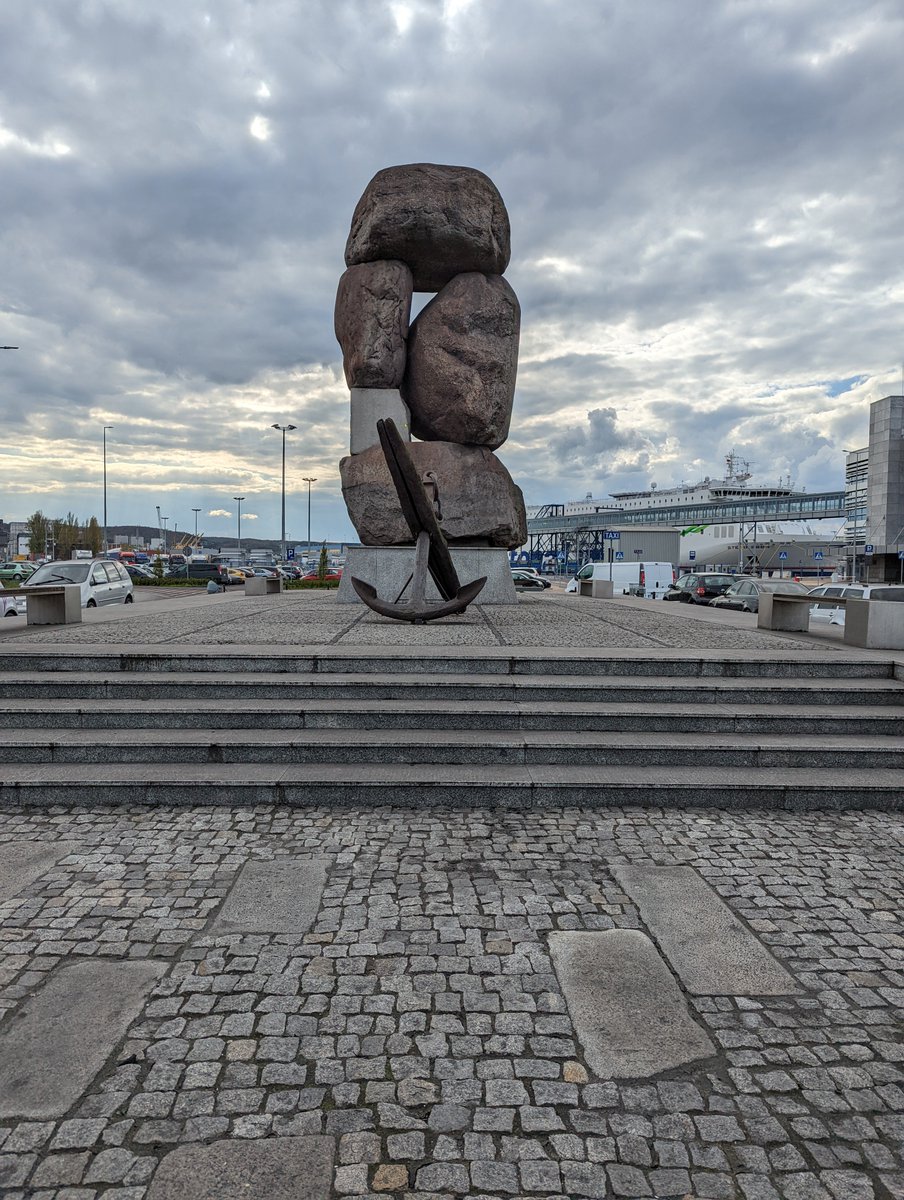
[[597, 589], [789, 612], [53, 605], [262, 585], [874, 624]]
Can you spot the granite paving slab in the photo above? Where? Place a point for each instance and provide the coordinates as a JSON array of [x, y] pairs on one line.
[[286, 1168], [280, 896], [56, 1041], [629, 1014], [21, 863], [713, 953]]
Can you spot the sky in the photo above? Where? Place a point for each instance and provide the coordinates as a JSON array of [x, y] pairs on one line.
[[707, 245]]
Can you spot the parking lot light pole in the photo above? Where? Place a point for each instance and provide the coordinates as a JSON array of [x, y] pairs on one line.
[[196, 511], [106, 427], [284, 429], [309, 481], [239, 500]]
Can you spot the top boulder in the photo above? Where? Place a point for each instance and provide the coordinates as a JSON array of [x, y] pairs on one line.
[[441, 221]]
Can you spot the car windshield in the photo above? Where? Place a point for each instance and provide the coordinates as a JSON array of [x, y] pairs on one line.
[[61, 572]]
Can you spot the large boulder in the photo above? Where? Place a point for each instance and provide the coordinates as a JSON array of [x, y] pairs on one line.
[[480, 503], [439, 220], [462, 360], [373, 305]]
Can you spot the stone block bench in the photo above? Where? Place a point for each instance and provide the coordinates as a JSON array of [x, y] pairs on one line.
[[872, 624], [53, 605], [597, 589], [262, 585]]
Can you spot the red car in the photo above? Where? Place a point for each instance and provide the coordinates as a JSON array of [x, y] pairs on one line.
[[333, 575]]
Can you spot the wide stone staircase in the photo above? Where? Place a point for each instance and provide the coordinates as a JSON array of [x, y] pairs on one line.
[[497, 726]]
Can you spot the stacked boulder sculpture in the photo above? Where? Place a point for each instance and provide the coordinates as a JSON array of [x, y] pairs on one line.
[[446, 379]]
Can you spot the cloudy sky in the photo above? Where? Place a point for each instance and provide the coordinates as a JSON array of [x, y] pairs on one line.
[[705, 199]]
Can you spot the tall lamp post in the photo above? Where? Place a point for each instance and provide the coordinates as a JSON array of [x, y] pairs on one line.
[[308, 481], [284, 429], [239, 500], [106, 427], [163, 521], [196, 511]]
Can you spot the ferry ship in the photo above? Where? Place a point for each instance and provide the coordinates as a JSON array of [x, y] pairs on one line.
[[730, 544]]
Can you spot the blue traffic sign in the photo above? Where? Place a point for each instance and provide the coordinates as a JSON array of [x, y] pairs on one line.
[[901, 554], [290, 553], [621, 554], [611, 535], [868, 548], [692, 554], [783, 553], [817, 554]]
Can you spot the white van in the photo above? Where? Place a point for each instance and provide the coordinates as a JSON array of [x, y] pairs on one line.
[[651, 580]]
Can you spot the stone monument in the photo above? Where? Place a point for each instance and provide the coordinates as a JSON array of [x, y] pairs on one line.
[[446, 379]]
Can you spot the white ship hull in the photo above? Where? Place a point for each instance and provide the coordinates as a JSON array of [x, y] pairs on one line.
[[717, 547]]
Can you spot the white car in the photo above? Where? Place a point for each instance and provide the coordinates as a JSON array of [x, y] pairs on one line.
[[864, 591], [102, 581], [12, 604]]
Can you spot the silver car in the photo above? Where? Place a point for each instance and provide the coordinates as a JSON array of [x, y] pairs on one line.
[[102, 581], [12, 603], [827, 615]]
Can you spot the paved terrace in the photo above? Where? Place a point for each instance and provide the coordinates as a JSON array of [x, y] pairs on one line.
[[343, 1003]]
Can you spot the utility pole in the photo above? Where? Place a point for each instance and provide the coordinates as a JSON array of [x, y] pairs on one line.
[[308, 481], [239, 499], [284, 430], [106, 427]]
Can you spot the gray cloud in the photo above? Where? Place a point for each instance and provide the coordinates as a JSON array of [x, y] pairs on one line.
[[704, 201]]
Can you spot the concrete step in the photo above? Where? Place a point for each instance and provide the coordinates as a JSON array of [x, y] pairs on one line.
[[443, 660], [331, 748], [462, 786], [523, 689], [743, 715]]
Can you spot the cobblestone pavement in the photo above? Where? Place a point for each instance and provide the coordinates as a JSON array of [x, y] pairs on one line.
[[419, 1021], [307, 619]]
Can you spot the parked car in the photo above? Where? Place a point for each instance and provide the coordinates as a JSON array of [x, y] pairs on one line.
[[744, 594], [137, 571], [102, 581], [694, 588], [12, 604], [204, 571], [16, 571], [236, 576], [526, 581], [333, 575], [267, 572], [826, 615]]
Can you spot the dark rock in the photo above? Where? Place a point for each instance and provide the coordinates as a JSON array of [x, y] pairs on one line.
[[373, 305], [439, 220], [480, 503], [462, 360]]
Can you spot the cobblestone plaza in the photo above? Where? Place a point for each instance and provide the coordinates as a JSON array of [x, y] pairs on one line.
[[408, 1034]]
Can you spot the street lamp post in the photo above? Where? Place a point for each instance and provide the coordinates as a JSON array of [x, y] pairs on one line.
[[239, 500], [106, 427], [284, 430], [309, 481], [196, 511], [163, 521]]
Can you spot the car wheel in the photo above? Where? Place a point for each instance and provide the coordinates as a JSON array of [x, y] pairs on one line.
[[10, 612], [130, 599], [91, 604]]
